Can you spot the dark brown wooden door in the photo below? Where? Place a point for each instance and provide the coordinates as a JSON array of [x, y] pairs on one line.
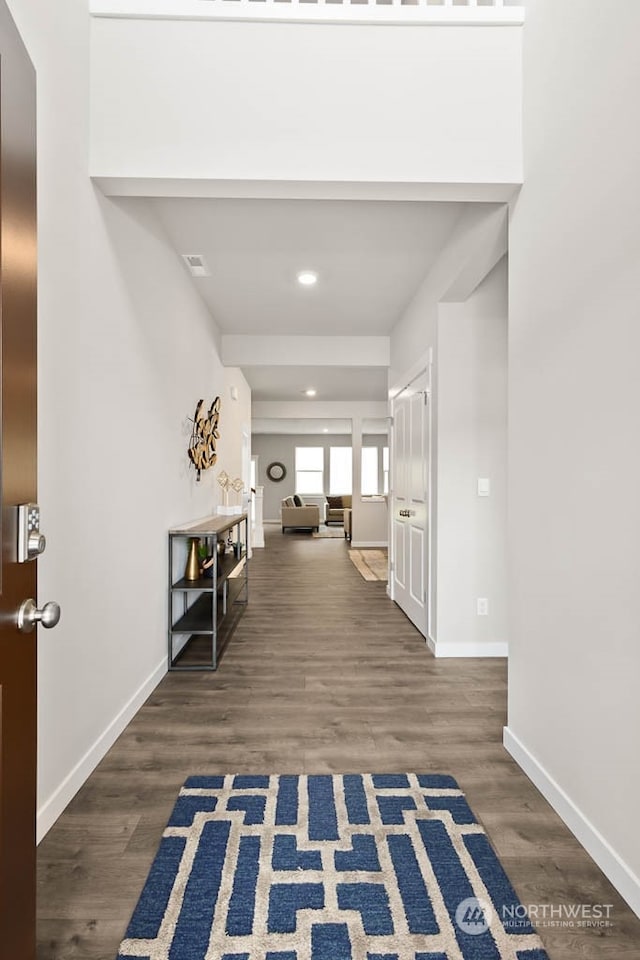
[[18, 478]]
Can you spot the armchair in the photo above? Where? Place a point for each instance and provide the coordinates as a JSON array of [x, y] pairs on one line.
[[336, 507]]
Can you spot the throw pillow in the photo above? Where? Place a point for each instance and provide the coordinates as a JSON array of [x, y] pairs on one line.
[[298, 501], [335, 503]]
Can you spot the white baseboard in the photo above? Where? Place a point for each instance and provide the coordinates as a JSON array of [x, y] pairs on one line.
[[431, 644], [614, 868], [51, 809], [468, 649], [361, 544]]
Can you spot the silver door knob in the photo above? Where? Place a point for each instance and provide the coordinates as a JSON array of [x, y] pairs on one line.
[[29, 615]]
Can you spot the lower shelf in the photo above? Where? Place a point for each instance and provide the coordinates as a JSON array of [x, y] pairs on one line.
[[199, 616], [201, 645]]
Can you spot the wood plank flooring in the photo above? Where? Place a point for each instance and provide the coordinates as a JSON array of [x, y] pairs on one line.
[[324, 673]]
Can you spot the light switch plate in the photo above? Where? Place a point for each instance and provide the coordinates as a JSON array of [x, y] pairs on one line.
[[484, 486]]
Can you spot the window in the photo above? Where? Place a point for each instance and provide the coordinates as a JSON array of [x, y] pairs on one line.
[[340, 470], [309, 470], [375, 471], [369, 480]]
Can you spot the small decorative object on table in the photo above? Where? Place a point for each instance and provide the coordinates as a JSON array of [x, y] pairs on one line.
[[192, 569], [207, 566], [228, 484]]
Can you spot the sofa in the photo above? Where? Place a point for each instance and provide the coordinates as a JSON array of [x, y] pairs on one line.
[[334, 511], [298, 515]]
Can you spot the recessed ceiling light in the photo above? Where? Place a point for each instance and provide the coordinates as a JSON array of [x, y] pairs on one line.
[[307, 278], [325, 430], [310, 392]]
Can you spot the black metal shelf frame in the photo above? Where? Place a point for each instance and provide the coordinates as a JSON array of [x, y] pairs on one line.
[[206, 621]]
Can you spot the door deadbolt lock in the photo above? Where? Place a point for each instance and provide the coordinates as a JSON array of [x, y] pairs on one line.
[[31, 542], [29, 615]]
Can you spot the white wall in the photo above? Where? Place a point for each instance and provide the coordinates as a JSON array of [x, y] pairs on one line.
[[278, 101], [370, 523], [472, 431], [234, 445], [477, 244], [126, 348], [574, 461]]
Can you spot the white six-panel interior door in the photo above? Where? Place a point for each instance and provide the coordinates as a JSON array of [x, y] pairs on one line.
[[410, 501]]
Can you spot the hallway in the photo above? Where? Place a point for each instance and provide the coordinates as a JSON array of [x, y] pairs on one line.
[[324, 674]]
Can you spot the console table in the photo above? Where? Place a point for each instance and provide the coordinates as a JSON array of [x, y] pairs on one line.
[[204, 612]]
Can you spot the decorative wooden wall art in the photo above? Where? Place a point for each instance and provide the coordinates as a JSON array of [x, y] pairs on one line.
[[202, 443]]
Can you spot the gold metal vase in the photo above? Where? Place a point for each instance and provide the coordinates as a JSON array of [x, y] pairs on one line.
[[192, 570]]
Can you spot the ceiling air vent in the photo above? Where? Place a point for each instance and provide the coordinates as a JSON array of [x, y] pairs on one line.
[[196, 264]]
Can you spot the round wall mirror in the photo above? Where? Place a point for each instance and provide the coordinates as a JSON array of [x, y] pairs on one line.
[[276, 471]]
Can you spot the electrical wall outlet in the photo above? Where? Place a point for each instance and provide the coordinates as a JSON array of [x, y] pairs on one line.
[[482, 605]]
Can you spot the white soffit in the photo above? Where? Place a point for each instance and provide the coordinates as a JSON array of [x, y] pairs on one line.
[[318, 426], [370, 257], [301, 426]]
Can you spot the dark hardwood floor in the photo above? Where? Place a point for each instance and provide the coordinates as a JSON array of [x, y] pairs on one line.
[[324, 673]]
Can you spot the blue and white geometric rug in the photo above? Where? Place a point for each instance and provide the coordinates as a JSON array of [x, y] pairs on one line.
[[349, 867]]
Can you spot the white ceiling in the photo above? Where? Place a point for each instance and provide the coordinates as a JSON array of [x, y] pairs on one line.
[[370, 257], [330, 383]]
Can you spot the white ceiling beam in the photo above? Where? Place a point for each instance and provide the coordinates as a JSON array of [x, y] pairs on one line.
[[332, 409], [420, 14], [258, 351], [305, 189]]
